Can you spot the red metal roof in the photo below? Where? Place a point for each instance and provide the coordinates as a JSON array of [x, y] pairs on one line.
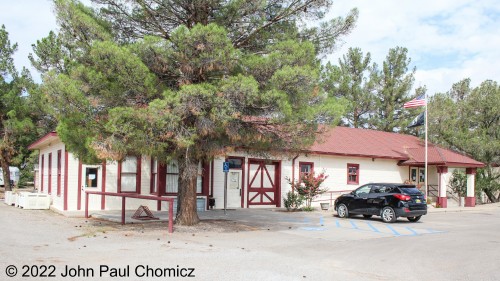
[[344, 141], [377, 144]]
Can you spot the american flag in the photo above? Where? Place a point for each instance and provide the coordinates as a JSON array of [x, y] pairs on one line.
[[416, 102]]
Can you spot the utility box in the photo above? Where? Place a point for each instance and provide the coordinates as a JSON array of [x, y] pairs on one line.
[[34, 201], [10, 198]]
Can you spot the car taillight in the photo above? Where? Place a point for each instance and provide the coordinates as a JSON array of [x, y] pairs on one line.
[[402, 197]]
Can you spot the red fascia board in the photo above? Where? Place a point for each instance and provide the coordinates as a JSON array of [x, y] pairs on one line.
[[465, 165], [34, 145], [447, 164], [354, 155]]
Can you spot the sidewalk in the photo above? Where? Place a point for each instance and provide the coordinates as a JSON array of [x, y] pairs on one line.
[[483, 207]]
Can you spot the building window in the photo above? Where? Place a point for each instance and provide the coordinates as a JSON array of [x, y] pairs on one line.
[[154, 176], [59, 152], [129, 171], [306, 167], [235, 163], [172, 178], [91, 179], [352, 173]]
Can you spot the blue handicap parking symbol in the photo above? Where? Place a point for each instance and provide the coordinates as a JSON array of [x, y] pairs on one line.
[[225, 167]]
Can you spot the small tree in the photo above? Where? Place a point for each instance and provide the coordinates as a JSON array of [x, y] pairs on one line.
[[308, 186], [458, 183]]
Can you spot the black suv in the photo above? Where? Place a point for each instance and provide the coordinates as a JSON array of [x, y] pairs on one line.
[[387, 200]]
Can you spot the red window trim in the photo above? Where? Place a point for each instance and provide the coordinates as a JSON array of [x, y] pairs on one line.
[[306, 163], [59, 164], [42, 173], [357, 173], [137, 178], [49, 173]]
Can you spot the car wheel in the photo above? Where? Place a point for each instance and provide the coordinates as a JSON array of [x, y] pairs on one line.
[[342, 211], [367, 216], [414, 219], [388, 215]]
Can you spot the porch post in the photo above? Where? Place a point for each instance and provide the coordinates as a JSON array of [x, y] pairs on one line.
[[470, 200], [442, 200]]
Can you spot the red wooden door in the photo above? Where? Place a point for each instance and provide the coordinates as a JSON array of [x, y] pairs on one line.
[[263, 183]]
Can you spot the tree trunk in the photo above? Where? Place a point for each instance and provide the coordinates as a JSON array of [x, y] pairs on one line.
[[6, 176], [490, 195], [186, 198]]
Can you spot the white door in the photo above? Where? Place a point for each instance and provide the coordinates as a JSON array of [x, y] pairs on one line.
[[234, 189]]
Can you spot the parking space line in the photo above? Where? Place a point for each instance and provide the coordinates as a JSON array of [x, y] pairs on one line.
[[373, 227], [354, 226], [430, 230], [412, 231], [393, 230], [337, 223]]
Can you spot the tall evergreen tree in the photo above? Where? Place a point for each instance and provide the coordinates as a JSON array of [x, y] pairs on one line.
[[467, 120], [352, 80], [188, 80], [393, 86], [16, 125]]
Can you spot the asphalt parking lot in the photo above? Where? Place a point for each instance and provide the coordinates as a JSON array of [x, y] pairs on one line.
[[258, 245]]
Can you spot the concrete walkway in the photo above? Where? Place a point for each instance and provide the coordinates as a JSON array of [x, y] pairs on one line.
[[276, 218]]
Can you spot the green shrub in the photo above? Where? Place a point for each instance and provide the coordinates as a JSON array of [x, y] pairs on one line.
[[293, 201]]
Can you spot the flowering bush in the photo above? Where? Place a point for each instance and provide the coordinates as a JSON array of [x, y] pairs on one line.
[[308, 186]]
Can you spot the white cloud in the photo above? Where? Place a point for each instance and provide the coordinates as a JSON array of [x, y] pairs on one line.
[[26, 21], [447, 40]]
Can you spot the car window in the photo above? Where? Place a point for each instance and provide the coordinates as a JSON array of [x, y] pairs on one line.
[[410, 190], [364, 190], [378, 188]]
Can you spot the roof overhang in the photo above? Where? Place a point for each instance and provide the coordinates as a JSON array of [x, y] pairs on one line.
[[44, 141], [446, 164], [355, 155]]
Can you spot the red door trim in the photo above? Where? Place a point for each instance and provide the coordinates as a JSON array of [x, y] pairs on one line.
[[242, 177], [276, 181]]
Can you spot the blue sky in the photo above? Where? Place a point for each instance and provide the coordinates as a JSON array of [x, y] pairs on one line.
[[447, 40]]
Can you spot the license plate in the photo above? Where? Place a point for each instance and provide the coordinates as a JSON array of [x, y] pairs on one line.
[[417, 201]]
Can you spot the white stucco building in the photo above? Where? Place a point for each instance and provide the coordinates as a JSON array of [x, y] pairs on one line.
[[350, 157]]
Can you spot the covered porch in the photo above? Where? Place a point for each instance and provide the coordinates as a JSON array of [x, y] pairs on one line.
[[440, 166]]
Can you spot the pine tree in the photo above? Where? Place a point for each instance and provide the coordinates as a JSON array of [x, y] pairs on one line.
[[187, 80]]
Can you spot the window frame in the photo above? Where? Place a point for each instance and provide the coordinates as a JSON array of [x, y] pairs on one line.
[[137, 176], [352, 165], [304, 164]]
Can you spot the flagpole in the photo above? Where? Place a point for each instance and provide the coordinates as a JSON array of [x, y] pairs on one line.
[[425, 176]]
